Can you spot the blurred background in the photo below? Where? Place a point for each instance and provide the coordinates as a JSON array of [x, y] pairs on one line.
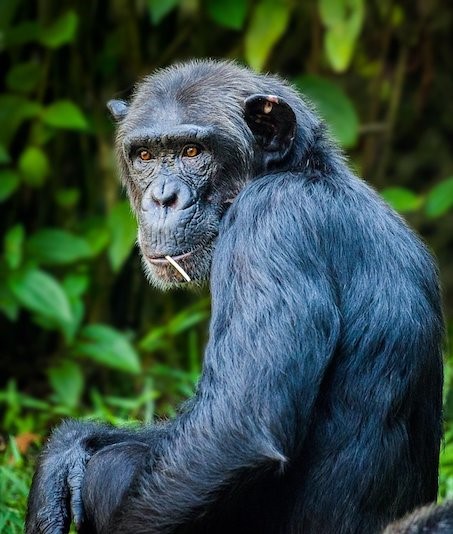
[[82, 334]]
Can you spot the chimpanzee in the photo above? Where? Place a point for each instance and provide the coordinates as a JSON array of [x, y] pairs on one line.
[[319, 405]]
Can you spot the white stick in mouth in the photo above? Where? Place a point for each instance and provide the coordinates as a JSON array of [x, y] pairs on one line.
[[178, 267]]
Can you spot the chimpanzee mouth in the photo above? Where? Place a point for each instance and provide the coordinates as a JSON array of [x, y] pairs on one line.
[[162, 260]]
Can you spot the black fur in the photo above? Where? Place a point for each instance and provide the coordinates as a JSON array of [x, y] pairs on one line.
[[319, 406]]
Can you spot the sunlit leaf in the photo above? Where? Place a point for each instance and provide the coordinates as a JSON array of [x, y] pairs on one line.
[[67, 381], [440, 198], [158, 9], [343, 20], [24, 77], [107, 346], [54, 246], [34, 166], [123, 230], [61, 32], [9, 182], [40, 293], [267, 25], [334, 105], [13, 245], [402, 199], [228, 13], [339, 47], [65, 114]]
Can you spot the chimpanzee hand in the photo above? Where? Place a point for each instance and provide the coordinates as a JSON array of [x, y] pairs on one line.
[[55, 495]]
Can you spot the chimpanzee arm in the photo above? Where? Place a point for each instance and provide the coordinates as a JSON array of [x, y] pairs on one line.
[[274, 330]]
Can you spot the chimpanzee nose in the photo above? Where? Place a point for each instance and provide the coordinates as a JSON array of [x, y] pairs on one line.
[[165, 196], [168, 192]]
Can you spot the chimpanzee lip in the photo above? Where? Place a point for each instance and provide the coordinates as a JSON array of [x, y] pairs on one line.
[[162, 260]]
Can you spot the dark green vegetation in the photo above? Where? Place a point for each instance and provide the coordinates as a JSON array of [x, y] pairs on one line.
[[82, 334]]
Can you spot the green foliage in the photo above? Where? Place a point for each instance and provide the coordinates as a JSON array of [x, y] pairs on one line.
[[402, 199], [41, 293], [262, 36], [343, 20], [64, 114], [123, 232], [333, 105], [109, 347], [440, 198], [228, 13]]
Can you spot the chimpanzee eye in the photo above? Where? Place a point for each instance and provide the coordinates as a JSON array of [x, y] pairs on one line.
[[190, 151], [144, 154]]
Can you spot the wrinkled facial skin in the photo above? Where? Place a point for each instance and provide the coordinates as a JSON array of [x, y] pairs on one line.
[[179, 189]]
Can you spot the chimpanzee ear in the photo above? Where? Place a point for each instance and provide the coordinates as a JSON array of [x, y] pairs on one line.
[[273, 124], [118, 109]]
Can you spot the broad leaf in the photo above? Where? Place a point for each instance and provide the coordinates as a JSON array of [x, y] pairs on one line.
[[108, 347], [334, 106], [40, 293], [13, 246], [267, 25], [4, 156], [158, 9], [14, 110], [9, 182], [24, 77], [67, 381], [54, 246], [65, 114], [228, 13], [123, 231], [34, 166], [402, 199], [440, 198], [61, 32]]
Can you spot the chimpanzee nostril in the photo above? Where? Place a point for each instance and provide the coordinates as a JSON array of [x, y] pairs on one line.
[[165, 194]]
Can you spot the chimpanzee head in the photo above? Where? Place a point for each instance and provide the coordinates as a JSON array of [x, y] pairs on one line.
[[190, 139]]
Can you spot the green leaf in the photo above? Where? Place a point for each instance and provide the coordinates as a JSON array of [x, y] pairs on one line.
[[8, 303], [228, 13], [343, 20], [339, 45], [267, 25], [123, 231], [68, 197], [24, 77], [20, 34], [334, 106], [14, 110], [13, 243], [67, 382], [9, 182], [108, 347], [440, 198], [53, 246], [159, 9], [65, 114], [34, 166], [76, 284], [40, 293], [402, 199], [61, 32]]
